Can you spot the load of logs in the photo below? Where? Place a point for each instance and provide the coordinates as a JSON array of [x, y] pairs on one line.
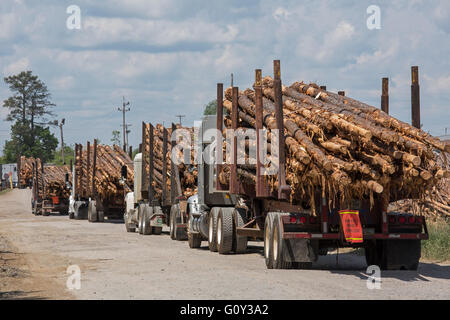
[[55, 181], [436, 202], [26, 170], [187, 172], [340, 147], [51, 180], [108, 165]]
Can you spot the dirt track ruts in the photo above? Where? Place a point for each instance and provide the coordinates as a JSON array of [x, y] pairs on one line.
[[35, 252]]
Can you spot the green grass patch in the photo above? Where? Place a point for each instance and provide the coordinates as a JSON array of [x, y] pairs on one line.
[[437, 247], [5, 191]]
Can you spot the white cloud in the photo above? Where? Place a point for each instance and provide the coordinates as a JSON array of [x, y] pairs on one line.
[[336, 38], [17, 66]]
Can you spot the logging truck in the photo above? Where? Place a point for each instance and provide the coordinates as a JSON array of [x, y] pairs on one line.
[[149, 207], [46, 197], [294, 234], [93, 196]]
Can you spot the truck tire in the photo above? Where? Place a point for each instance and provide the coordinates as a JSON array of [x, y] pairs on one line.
[[172, 222], [268, 240], [278, 245], [146, 228], [194, 239], [101, 216], [127, 225], [212, 229], [141, 210], [179, 233], [395, 254], [225, 230], [239, 242], [92, 212], [156, 230]]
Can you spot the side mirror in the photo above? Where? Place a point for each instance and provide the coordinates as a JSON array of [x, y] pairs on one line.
[[124, 172]]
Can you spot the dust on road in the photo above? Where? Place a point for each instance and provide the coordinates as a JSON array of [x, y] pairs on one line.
[[35, 252]]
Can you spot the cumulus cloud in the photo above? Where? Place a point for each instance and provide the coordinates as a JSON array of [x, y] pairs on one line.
[[166, 56]]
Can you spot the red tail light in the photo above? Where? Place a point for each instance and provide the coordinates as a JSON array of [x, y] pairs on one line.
[[420, 220], [392, 220], [402, 220], [411, 220], [302, 220], [312, 220], [293, 219]]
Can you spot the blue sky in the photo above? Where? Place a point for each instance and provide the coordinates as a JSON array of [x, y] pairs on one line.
[[166, 56]]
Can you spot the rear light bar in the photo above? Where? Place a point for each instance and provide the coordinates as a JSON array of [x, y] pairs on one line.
[[405, 219], [301, 219]]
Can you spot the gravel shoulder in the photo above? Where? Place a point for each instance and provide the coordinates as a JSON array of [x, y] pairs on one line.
[[35, 252]]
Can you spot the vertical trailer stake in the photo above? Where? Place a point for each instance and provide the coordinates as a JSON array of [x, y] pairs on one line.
[[164, 168], [234, 188], [219, 113], [341, 93], [94, 168], [385, 95], [323, 88], [261, 190], [88, 164], [415, 97], [150, 174], [283, 188]]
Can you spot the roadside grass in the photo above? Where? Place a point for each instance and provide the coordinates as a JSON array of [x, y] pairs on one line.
[[4, 191], [437, 247]]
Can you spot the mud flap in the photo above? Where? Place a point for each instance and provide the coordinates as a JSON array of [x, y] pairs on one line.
[[300, 250], [401, 254]]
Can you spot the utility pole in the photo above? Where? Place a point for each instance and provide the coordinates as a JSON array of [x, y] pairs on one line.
[[62, 139], [124, 110], [232, 80], [127, 132], [180, 116]]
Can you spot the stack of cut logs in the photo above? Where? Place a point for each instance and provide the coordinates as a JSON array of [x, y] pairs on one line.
[[187, 172], [26, 170], [107, 179], [55, 181], [436, 202], [341, 147]]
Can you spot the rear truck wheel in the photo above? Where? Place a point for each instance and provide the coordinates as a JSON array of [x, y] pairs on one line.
[[101, 216], [172, 222], [141, 210], [212, 229], [194, 239], [278, 245], [394, 254], [156, 230], [146, 228], [92, 212], [225, 230], [128, 226], [268, 241], [180, 233], [239, 242]]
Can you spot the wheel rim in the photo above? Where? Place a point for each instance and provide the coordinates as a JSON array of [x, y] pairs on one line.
[[210, 233], [219, 230], [275, 244], [266, 241]]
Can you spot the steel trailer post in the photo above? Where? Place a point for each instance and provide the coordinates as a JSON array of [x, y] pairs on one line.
[[261, 188], [151, 165], [234, 186], [94, 169], [385, 95], [75, 194], [323, 88], [144, 158], [83, 192], [283, 188], [88, 165], [164, 169], [172, 167], [219, 151], [415, 97], [341, 93]]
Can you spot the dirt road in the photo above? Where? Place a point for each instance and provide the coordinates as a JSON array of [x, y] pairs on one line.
[[35, 252]]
